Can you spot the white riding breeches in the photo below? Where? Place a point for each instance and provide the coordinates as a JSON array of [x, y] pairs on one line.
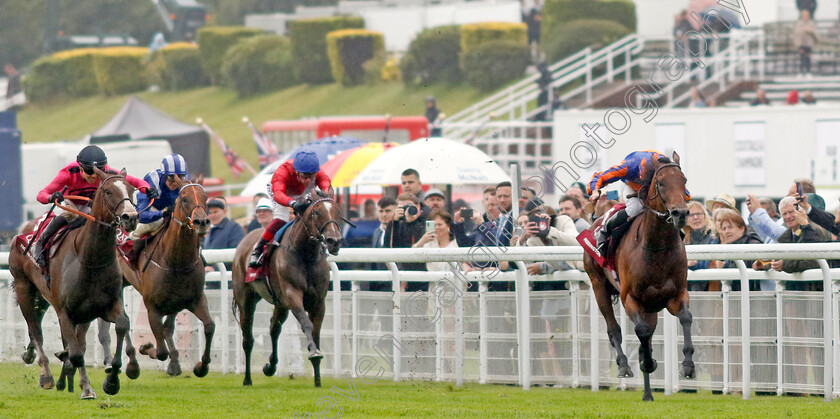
[[282, 212], [634, 206], [143, 229]]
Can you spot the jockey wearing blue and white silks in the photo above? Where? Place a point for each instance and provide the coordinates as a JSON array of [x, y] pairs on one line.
[[165, 180]]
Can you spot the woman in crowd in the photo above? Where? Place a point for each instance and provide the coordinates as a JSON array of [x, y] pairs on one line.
[[440, 238], [733, 230]]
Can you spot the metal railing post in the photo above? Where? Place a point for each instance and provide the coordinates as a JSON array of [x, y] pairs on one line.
[[594, 333], [573, 308], [726, 288], [224, 300], [459, 333], [524, 296], [482, 332], [397, 318], [828, 331], [354, 314], [336, 312], [780, 335], [746, 343]]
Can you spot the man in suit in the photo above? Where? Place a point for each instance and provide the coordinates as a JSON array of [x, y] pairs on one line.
[[386, 207], [505, 224]]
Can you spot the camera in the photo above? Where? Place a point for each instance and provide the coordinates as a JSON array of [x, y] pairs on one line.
[[467, 213], [410, 210], [542, 224], [612, 195]]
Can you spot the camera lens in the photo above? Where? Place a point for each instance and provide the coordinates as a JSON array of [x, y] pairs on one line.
[[411, 210]]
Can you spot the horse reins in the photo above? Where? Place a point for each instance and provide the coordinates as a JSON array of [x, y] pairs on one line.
[[320, 236], [90, 217]]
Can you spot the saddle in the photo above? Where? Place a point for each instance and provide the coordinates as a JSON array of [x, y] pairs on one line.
[[51, 246], [252, 274], [587, 239]]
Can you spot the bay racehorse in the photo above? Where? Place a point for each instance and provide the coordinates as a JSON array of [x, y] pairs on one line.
[[299, 277], [170, 277], [86, 283], [652, 269]]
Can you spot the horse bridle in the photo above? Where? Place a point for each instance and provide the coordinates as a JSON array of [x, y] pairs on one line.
[[667, 214], [113, 210], [320, 236], [189, 219]]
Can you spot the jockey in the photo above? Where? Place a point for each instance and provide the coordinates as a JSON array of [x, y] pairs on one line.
[[80, 179], [291, 178], [632, 172], [164, 188]]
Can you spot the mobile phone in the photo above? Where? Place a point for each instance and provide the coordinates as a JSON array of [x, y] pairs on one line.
[[542, 224], [798, 188], [612, 195], [466, 212], [430, 226]]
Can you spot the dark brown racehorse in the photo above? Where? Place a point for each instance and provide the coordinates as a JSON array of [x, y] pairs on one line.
[[86, 283], [170, 276], [652, 268], [298, 281]]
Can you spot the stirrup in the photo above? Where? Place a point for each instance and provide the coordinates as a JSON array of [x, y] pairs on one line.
[[257, 258]]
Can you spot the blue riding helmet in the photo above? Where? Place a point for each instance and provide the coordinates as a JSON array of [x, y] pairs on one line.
[[174, 164], [306, 162]]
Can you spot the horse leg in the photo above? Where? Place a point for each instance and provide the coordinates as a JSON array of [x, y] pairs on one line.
[[111, 385], [104, 329], [317, 317], [604, 299], [203, 313], [293, 299], [174, 368], [246, 306], [277, 318], [158, 349], [679, 308], [132, 371], [28, 356], [26, 297], [645, 326], [76, 351]]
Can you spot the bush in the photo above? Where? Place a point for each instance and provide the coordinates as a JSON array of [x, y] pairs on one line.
[[556, 12], [213, 43], [349, 50], [432, 56], [259, 64], [495, 63], [120, 70], [65, 73], [477, 34], [574, 36], [177, 66], [391, 70], [309, 45]]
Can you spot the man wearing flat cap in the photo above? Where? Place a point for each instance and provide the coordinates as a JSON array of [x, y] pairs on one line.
[[224, 233]]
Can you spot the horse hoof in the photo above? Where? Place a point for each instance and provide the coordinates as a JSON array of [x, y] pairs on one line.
[[133, 369], [647, 397], [200, 370], [316, 355], [88, 394], [144, 348], [269, 369], [162, 356], [46, 381], [625, 372], [318, 383], [28, 357], [111, 387], [62, 382], [246, 381], [648, 368], [174, 369], [688, 372], [108, 360]]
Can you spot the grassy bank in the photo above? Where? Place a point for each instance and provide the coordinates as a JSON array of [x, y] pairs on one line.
[[223, 111]]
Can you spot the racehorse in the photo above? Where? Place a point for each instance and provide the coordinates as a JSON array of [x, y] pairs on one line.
[[299, 277], [170, 277], [652, 269], [86, 283]]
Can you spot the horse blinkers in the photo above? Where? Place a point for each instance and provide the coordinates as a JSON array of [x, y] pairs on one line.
[[200, 222]]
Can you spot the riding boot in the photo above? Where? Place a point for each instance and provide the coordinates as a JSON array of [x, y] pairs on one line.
[[54, 225], [137, 246], [615, 221], [256, 259]]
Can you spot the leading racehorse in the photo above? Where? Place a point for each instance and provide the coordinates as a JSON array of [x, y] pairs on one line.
[[170, 276], [652, 269], [298, 281], [86, 282]]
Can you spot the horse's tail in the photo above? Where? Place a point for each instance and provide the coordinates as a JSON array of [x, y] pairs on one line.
[[233, 309]]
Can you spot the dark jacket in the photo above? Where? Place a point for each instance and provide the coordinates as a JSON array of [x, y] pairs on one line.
[[402, 234], [824, 219], [806, 234], [226, 235], [254, 224]]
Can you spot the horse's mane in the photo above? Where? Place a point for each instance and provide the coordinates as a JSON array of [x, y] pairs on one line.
[[647, 175], [314, 190]]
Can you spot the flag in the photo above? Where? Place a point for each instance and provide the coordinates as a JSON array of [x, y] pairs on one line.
[[266, 149], [236, 163]]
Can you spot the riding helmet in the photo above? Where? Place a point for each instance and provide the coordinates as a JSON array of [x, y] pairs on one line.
[[173, 164], [91, 156], [306, 162]]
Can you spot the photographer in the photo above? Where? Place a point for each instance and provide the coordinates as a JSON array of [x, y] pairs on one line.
[[408, 226]]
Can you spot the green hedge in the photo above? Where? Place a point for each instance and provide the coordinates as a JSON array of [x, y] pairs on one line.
[[349, 50], [309, 45], [213, 43], [432, 56], [556, 12], [476, 34], [574, 36], [495, 63], [120, 70], [259, 64], [177, 66]]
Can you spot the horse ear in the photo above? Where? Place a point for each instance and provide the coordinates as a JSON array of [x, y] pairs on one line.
[[675, 157], [100, 173], [200, 179]]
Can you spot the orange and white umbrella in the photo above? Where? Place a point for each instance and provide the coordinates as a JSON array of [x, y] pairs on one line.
[[344, 167]]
